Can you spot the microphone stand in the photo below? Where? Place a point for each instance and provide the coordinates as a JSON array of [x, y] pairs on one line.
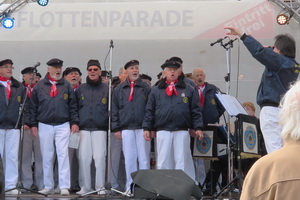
[[108, 164], [227, 46], [19, 185]]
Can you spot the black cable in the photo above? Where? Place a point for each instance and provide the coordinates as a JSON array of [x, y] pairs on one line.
[[105, 59]]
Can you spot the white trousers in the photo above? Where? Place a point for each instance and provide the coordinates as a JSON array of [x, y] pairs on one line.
[[115, 156], [9, 146], [177, 144], [136, 153], [74, 168], [55, 138], [31, 147], [199, 170], [92, 146], [270, 128]]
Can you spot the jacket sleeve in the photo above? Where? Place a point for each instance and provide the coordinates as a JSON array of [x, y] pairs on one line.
[[27, 112], [196, 114], [149, 119], [264, 55], [73, 111], [220, 107], [33, 107], [115, 120]]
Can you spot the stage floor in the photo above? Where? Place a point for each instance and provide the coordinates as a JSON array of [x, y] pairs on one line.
[[32, 196]]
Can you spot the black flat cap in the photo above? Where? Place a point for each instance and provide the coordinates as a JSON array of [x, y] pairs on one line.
[[6, 61], [93, 62], [115, 80], [176, 59], [104, 73], [55, 62], [131, 63], [68, 70], [39, 75], [145, 76], [171, 64], [27, 70], [159, 75]]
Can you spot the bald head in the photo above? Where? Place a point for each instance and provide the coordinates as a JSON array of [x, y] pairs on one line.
[[198, 76], [122, 74]]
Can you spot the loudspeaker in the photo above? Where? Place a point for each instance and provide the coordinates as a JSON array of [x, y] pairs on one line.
[[141, 193], [164, 184]]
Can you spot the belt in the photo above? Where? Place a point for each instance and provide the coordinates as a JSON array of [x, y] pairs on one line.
[[269, 104]]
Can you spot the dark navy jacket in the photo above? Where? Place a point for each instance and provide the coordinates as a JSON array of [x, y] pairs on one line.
[[9, 112], [173, 113], [280, 71], [53, 110], [212, 109], [92, 99], [129, 114]]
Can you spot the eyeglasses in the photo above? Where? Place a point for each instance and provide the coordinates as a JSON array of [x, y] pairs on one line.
[[7, 67], [96, 69]]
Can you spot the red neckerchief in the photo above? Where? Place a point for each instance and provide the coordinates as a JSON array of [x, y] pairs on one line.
[[53, 91], [130, 98], [171, 88], [8, 90], [29, 89], [201, 88], [76, 86]]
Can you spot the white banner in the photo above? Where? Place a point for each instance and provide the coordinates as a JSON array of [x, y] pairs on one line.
[[138, 21]]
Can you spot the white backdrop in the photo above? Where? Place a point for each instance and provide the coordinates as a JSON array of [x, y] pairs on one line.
[[149, 32]]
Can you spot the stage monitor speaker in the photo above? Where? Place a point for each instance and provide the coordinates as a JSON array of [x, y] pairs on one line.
[[164, 184]]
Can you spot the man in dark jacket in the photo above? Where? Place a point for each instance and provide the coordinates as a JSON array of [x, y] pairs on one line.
[[11, 96], [31, 145], [92, 98], [172, 109], [53, 110], [281, 70], [73, 76], [211, 107], [128, 111], [212, 110]]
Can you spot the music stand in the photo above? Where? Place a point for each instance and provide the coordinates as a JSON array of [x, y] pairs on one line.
[[233, 108]]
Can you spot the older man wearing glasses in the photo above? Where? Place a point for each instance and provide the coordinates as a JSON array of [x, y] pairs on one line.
[[11, 96], [92, 98]]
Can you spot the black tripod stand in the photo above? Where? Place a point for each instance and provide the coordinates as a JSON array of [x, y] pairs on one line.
[[239, 175], [21, 116], [247, 138]]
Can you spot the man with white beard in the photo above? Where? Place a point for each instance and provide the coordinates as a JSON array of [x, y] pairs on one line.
[[53, 115]]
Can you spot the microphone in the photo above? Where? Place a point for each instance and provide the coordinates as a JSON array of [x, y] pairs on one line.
[[36, 65], [111, 44], [230, 42], [218, 41]]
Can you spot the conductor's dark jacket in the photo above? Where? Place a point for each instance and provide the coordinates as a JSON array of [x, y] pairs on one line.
[[279, 73]]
